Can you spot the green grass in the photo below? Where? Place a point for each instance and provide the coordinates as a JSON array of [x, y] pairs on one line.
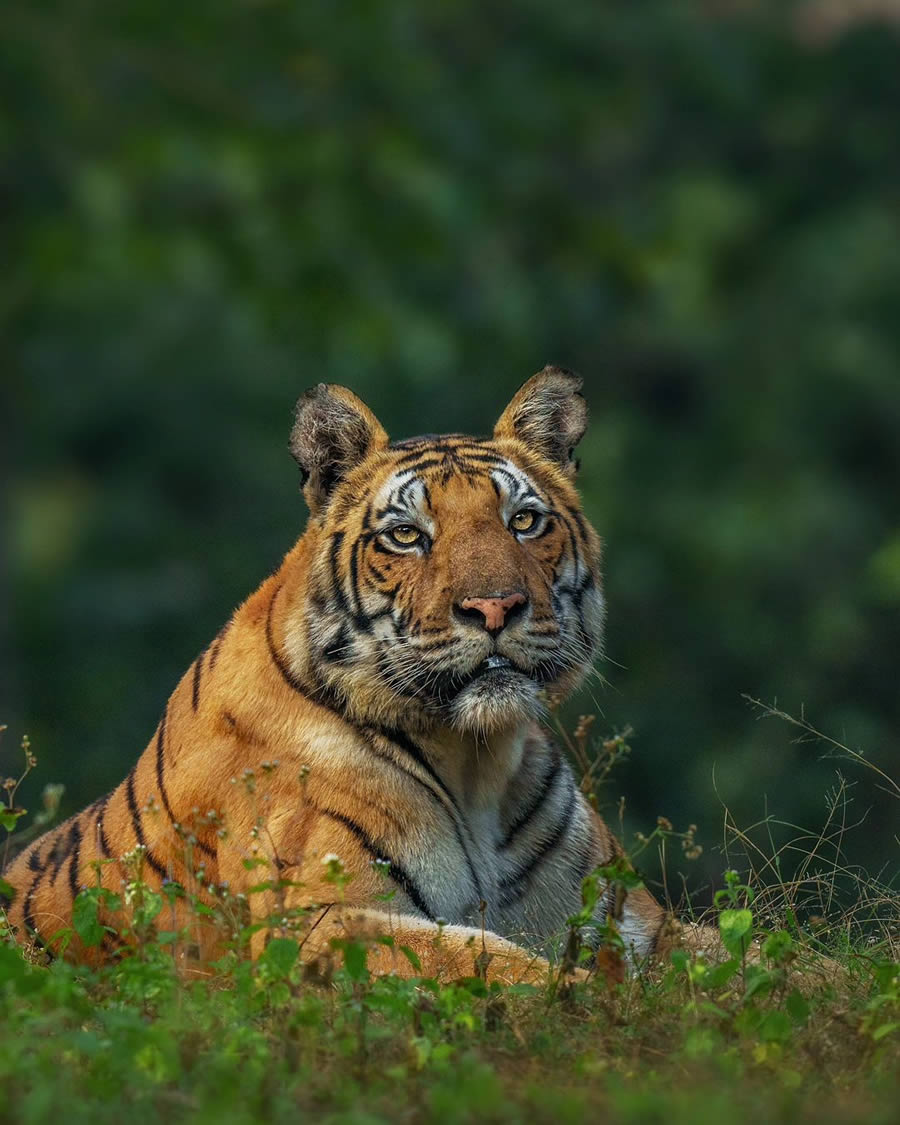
[[801, 1023], [258, 1043]]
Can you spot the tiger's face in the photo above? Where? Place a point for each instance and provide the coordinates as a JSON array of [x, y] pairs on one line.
[[454, 580]]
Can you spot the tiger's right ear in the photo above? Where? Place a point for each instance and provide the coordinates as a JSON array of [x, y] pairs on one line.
[[333, 432], [549, 414]]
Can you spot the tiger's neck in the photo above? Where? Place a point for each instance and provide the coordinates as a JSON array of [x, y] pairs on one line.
[[478, 770]]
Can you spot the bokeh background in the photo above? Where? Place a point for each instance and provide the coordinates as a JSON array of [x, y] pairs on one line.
[[211, 206]]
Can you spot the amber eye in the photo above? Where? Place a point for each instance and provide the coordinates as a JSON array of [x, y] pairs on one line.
[[526, 520], [406, 535]]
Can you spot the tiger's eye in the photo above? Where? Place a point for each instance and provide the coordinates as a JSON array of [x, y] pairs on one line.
[[405, 535], [524, 521]]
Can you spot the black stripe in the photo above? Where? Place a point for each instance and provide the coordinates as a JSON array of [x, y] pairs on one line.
[[400, 876], [573, 543], [539, 797], [429, 462], [40, 870], [160, 769], [360, 618], [337, 588], [277, 659], [579, 519], [494, 459], [513, 482], [514, 884], [27, 915], [217, 644], [75, 861], [133, 808], [155, 864], [61, 851], [654, 941], [160, 763], [337, 650], [138, 827], [195, 685], [399, 738], [427, 449], [404, 489], [100, 830]]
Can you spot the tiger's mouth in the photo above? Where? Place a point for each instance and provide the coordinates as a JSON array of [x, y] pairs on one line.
[[495, 672], [493, 664]]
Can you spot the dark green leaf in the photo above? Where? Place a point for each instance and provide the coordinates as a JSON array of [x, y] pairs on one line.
[[280, 956]]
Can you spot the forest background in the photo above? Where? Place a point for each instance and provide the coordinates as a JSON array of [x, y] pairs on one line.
[[210, 207]]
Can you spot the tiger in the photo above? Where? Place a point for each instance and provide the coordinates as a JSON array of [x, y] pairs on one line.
[[368, 724]]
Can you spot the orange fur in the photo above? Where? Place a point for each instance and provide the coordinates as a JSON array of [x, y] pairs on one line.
[[357, 705]]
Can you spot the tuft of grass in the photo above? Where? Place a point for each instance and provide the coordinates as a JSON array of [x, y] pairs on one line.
[[801, 1021]]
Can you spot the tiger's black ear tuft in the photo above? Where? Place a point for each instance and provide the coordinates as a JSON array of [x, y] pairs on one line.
[[333, 432], [549, 414]]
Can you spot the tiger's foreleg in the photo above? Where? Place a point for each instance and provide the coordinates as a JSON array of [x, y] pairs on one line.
[[405, 946]]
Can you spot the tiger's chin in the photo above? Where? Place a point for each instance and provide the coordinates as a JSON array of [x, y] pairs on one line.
[[497, 701]]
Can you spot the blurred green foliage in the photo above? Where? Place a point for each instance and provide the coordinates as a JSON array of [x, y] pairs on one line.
[[212, 206]]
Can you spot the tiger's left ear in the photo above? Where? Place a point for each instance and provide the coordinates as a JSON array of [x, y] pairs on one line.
[[549, 414], [334, 431]]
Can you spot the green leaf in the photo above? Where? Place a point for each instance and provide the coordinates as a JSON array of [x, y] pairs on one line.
[[735, 927], [885, 1029], [775, 1027], [7, 891], [777, 946], [797, 1007], [9, 818], [355, 960], [680, 959], [110, 899], [85, 918], [412, 957], [280, 956], [719, 975], [760, 981]]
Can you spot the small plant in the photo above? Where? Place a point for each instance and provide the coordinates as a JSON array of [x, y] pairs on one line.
[[11, 813]]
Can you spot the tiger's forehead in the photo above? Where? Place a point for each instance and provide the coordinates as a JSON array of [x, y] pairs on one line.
[[428, 470]]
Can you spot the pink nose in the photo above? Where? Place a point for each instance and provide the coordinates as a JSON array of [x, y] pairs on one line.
[[493, 610]]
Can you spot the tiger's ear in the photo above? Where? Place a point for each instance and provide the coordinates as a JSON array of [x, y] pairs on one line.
[[333, 432], [548, 414]]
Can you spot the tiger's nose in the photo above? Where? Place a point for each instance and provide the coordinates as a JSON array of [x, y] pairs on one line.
[[492, 614]]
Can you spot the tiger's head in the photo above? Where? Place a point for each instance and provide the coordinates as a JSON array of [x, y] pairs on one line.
[[449, 579]]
